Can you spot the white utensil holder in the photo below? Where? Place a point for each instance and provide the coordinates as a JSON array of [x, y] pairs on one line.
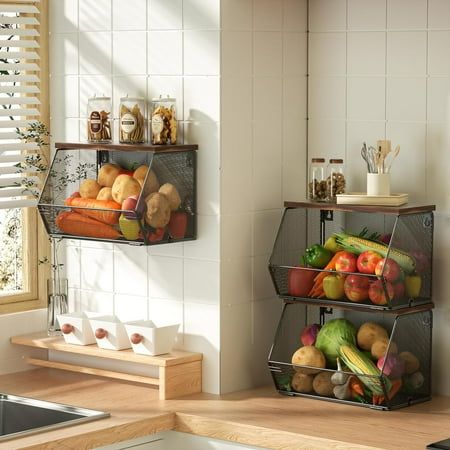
[[378, 184]]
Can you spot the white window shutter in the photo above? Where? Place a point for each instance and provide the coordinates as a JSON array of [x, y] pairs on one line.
[[19, 101]]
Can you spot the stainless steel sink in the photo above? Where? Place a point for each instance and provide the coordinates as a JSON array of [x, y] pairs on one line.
[[21, 416]]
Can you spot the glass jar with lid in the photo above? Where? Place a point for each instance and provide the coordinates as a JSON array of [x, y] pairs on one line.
[[98, 119], [164, 121], [317, 184], [132, 120], [335, 179]]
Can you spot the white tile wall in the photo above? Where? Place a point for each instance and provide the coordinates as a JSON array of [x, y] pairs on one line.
[[263, 154], [396, 86], [147, 48]]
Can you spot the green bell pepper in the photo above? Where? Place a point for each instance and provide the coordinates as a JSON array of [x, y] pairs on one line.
[[317, 256]]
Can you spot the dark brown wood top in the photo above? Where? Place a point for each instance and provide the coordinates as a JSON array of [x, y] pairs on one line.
[[360, 307], [409, 208], [125, 147]]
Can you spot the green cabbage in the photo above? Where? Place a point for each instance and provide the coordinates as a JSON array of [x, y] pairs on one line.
[[332, 335]]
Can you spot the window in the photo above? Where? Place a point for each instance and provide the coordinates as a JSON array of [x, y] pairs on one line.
[[23, 101]]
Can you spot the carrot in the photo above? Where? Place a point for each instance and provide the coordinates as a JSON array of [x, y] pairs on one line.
[[396, 385], [356, 387], [318, 280], [108, 217], [70, 222]]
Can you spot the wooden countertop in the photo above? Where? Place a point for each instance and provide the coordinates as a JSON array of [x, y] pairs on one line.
[[259, 417]]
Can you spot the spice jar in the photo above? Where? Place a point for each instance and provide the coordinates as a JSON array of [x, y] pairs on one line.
[[164, 121], [317, 186], [98, 123], [335, 179], [132, 120]]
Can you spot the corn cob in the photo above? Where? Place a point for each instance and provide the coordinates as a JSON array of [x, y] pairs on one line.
[[361, 365], [358, 245]]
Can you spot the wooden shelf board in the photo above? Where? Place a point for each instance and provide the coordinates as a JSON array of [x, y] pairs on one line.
[[409, 208], [41, 340], [346, 305], [125, 147]]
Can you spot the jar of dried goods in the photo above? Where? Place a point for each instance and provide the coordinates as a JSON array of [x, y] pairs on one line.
[[317, 186], [132, 120], [99, 121], [335, 179], [164, 121]]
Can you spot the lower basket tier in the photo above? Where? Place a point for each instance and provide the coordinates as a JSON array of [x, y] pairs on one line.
[[292, 383], [381, 360]]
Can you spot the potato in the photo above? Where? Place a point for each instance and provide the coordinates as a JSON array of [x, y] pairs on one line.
[[412, 364], [89, 188], [158, 210], [107, 174], [322, 384], [105, 194], [171, 192], [368, 333], [379, 348], [301, 382], [152, 184], [124, 186], [308, 356]]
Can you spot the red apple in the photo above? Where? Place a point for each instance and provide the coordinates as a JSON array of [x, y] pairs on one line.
[[399, 290], [300, 281], [377, 292], [367, 261], [388, 268], [356, 288], [346, 262], [129, 204]]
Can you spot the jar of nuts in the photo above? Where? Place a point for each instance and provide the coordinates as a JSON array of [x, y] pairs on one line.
[[335, 179], [317, 187], [164, 121]]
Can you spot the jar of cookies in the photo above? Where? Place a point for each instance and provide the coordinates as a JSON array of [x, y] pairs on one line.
[[132, 120], [164, 121], [98, 119], [335, 179]]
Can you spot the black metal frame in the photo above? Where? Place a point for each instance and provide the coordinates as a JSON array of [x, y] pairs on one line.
[[177, 153]]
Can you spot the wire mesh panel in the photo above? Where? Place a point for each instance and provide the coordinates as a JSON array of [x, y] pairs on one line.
[[380, 361], [403, 241], [143, 197]]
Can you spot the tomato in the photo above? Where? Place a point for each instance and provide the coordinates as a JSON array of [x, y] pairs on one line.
[[126, 172], [300, 281], [177, 225], [346, 262], [157, 235]]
